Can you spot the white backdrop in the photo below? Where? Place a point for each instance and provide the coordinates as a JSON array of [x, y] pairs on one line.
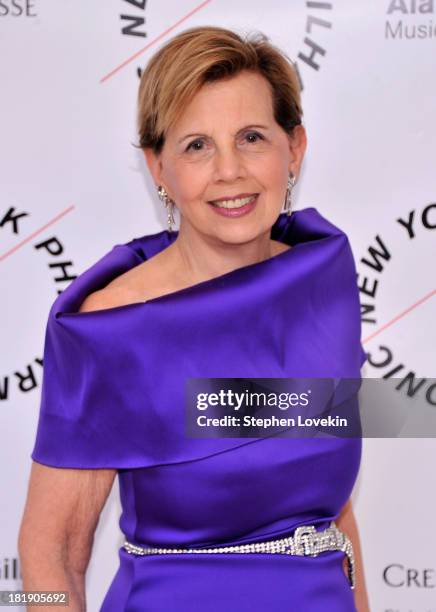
[[72, 186]]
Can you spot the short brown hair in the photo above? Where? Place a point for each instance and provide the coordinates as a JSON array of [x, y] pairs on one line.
[[177, 71]]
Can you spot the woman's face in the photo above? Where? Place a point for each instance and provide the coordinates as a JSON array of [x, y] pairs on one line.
[[227, 144]]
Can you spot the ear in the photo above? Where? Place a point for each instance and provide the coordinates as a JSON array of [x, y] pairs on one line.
[[154, 164], [297, 147]]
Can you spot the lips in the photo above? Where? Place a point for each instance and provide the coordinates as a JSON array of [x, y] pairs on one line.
[[239, 196], [235, 208]]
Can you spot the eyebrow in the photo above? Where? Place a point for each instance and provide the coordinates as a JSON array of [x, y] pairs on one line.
[[240, 130]]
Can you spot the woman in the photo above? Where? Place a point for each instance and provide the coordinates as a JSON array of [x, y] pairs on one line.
[[242, 290]]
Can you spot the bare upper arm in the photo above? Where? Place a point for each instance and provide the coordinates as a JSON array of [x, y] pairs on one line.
[[63, 505], [61, 513]]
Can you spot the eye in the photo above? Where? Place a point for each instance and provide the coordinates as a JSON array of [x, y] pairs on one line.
[[257, 136], [192, 145]]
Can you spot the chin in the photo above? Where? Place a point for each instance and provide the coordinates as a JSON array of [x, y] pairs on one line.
[[239, 233]]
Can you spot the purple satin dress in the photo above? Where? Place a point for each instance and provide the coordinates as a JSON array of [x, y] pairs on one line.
[[113, 397]]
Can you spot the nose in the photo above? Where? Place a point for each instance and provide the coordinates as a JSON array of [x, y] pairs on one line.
[[228, 164]]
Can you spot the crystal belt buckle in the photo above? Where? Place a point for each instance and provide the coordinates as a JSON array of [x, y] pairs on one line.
[[304, 542], [308, 542]]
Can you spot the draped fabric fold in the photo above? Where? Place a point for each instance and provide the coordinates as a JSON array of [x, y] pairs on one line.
[[113, 379]]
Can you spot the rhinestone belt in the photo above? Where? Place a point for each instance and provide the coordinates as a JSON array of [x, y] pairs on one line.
[[306, 541]]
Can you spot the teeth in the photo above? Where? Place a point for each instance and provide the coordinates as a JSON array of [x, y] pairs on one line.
[[234, 203]]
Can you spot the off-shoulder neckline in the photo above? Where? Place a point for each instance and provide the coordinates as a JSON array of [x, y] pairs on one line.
[[215, 279], [185, 290], [144, 248]]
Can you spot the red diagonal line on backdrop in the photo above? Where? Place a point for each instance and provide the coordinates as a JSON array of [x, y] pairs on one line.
[[155, 40], [400, 316], [36, 233]]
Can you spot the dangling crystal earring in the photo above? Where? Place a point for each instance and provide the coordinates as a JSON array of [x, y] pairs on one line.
[[288, 202], [169, 205]]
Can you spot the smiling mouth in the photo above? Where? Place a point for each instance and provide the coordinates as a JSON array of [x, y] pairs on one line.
[[235, 202]]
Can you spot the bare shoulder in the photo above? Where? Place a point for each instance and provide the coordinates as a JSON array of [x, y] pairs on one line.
[[146, 280], [109, 297]]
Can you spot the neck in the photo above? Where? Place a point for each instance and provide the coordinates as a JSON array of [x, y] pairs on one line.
[[200, 257]]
